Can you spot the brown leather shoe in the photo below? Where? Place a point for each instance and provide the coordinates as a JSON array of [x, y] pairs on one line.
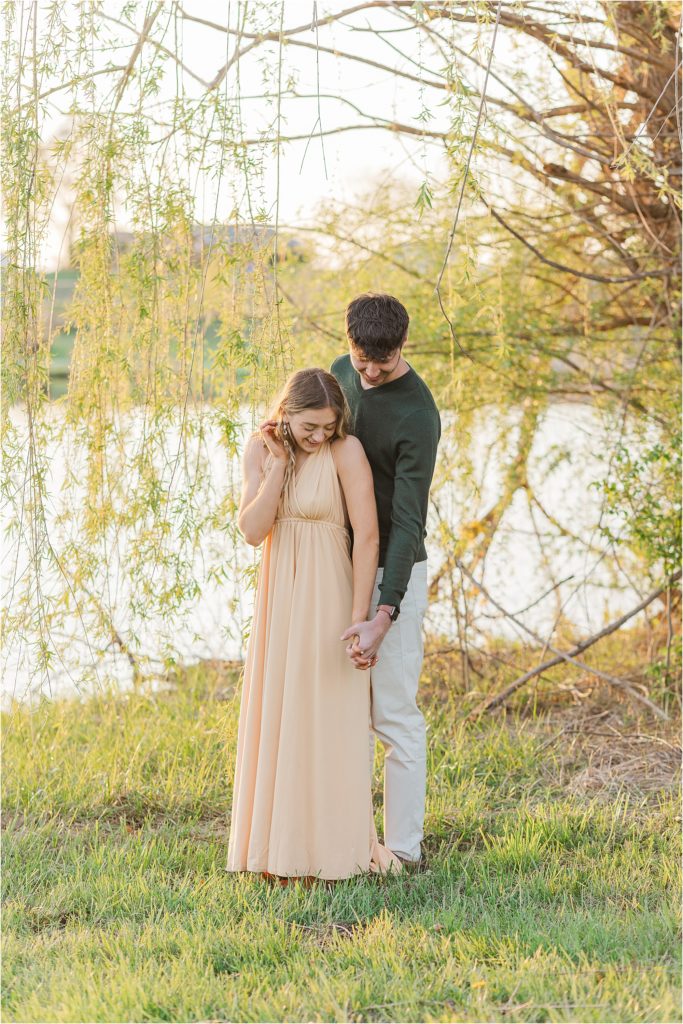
[[413, 867]]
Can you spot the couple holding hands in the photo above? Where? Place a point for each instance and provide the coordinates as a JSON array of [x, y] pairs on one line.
[[336, 486]]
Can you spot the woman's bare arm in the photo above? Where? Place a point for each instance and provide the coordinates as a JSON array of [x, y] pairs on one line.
[[260, 496], [355, 477]]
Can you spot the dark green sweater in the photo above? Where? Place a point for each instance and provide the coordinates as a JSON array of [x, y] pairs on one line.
[[399, 427]]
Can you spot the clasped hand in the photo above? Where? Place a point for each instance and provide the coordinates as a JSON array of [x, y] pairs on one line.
[[366, 638]]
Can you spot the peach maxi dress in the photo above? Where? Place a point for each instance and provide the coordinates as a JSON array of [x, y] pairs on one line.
[[302, 801]]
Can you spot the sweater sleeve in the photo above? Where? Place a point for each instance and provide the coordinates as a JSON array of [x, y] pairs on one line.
[[417, 437]]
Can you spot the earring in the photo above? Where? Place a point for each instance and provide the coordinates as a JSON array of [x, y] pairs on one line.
[[286, 435]]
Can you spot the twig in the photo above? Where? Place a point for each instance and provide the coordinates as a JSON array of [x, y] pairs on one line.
[[545, 594]]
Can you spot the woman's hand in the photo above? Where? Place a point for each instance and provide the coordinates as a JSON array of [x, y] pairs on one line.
[[273, 443]]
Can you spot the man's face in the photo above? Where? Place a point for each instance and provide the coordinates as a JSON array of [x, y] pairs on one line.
[[373, 372]]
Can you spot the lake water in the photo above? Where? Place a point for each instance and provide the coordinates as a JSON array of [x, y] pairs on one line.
[[528, 557]]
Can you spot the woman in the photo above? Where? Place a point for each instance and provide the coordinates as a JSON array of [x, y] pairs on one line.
[[302, 804]]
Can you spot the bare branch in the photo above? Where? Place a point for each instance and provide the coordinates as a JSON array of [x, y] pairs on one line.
[[157, 45], [570, 656], [571, 270], [142, 38]]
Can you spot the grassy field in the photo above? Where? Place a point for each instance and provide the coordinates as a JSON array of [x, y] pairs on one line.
[[552, 834]]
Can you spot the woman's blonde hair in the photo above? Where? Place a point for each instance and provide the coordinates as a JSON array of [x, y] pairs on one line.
[[313, 389]]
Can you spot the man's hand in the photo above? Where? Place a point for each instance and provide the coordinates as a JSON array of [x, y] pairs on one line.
[[366, 638]]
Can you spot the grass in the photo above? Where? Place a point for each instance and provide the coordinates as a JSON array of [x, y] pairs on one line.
[[550, 896]]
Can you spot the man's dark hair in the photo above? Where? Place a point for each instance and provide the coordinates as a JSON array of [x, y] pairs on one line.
[[376, 324]]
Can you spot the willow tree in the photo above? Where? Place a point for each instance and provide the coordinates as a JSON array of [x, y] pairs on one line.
[[539, 257], [564, 281]]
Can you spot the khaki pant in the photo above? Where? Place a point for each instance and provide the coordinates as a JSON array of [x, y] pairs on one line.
[[397, 721]]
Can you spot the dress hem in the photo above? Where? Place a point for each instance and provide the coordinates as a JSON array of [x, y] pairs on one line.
[[382, 862]]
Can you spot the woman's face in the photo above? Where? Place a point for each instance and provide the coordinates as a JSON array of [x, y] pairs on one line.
[[311, 427]]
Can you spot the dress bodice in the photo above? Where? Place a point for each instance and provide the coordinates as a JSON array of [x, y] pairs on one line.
[[313, 493]]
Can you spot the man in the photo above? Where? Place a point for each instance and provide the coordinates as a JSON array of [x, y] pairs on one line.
[[395, 417]]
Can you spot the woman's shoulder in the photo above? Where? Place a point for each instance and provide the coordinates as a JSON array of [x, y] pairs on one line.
[[347, 450], [255, 443], [255, 450]]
